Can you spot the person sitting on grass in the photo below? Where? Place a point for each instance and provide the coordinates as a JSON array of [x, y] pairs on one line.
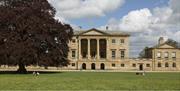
[[141, 73], [35, 73]]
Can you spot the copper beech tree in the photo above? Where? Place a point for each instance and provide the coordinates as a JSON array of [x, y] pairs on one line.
[[29, 35]]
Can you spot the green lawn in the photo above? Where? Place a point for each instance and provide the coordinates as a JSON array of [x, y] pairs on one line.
[[90, 81]]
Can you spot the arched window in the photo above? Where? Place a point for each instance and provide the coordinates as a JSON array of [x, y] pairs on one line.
[[83, 66], [174, 65], [102, 66], [159, 64], [93, 66], [166, 65]]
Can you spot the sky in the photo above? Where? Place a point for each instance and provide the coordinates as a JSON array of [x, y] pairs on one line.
[[145, 20]]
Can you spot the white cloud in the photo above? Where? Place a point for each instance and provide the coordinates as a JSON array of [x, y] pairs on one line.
[[73, 9], [136, 21], [162, 14], [177, 34], [147, 25], [174, 4]]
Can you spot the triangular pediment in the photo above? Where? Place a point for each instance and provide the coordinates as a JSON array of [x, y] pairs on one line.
[[93, 32]]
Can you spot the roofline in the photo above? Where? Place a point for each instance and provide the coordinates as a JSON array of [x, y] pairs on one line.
[[101, 31], [164, 48], [104, 35]]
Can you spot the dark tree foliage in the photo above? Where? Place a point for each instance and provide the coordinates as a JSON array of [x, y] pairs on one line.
[[29, 34], [146, 53], [172, 43]]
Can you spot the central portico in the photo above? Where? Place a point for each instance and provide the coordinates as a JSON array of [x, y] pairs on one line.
[[91, 48]]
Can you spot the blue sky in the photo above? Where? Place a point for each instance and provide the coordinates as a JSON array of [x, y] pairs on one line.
[[129, 5], [146, 20]]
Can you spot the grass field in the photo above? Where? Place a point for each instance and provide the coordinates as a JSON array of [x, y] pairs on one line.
[[91, 81]]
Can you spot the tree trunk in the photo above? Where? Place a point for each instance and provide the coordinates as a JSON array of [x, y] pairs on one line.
[[21, 69]]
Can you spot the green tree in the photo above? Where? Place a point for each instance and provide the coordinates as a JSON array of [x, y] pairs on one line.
[[172, 43], [145, 53]]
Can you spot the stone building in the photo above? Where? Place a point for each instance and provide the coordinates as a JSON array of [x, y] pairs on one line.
[[165, 55], [109, 50], [95, 49]]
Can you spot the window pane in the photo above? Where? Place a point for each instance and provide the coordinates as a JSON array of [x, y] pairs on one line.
[[73, 53], [166, 54], [166, 65], [113, 65], [174, 55], [122, 40], [174, 65], [113, 41], [122, 65], [159, 54], [147, 65], [122, 53], [73, 41], [113, 54], [73, 64], [159, 64], [134, 65]]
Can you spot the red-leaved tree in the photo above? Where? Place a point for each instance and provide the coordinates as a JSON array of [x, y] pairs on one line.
[[29, 34]]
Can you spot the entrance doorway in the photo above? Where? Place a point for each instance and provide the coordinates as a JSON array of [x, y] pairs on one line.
[[83, 66], [93, 66], [102, 66], [140, 66]]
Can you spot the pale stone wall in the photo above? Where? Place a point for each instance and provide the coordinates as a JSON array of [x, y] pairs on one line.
[[73, 46], [168, 60], [128, 65], [118, 46], [169, 50]]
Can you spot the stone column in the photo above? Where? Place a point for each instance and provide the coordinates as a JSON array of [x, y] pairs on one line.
[[98, 57], [107, 49], [89, 55], [80, 56], [154, 61]]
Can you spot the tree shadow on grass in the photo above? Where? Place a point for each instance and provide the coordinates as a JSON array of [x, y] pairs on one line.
[[31, 72]]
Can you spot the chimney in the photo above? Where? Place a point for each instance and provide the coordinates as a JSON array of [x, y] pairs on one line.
[[161, 40], [107, 27], [80, 27]]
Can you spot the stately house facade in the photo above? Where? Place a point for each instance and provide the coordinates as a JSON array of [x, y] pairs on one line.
[[109, 50]]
